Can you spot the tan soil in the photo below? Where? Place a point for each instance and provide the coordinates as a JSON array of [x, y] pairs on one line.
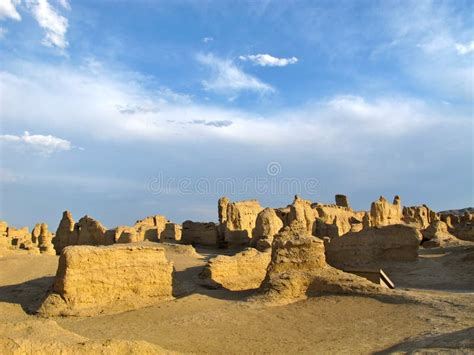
[[220, 321]]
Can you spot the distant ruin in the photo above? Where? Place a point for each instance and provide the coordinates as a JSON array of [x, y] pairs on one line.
[[246, 224]]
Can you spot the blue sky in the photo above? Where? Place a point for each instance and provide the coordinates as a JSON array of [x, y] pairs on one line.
[[102, 102]]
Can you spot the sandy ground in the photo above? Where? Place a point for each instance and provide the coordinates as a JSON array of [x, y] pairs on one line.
[[219, 321]]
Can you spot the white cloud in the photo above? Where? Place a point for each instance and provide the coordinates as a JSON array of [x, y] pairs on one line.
[[265, 60], [8, 10], [386, 115], [436, 44], [353, 136], [54, 25], [44, 145], [464, 48], [207, 39], [86, 103], [65, 4], [227, 78]]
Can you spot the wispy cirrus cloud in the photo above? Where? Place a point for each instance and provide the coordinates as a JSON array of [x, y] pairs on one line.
[[217, 123], [227, 78], [65, 4], [266, 60], [54, 25], [109, 108], [430, 40], [42, 144]]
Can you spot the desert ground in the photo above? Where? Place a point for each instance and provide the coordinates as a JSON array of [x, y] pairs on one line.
[[439, 316]]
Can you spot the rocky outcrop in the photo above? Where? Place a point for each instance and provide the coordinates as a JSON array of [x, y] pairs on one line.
[[199, 233], [301, 212], [238, 220], [373, 246], [384, 213], [123, 234], [322, 229], [21, 238], [283, 213], [43, 238], [172, 233], [243, 271], [464, 231], [5, 242], [437, 235], [342, 201], [222, 209], [108, 279], [35, 233], [461, 226], [419, 216], [66, 234], [92, 232], [150, 228], [335, 220], [298, 269], [267, 225], [88, 231], [38, 241]]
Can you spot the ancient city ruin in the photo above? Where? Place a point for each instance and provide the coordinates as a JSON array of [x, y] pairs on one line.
[[204, 177], [276, 256]]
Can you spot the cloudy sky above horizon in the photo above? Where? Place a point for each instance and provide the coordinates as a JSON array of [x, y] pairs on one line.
[[121, 110]]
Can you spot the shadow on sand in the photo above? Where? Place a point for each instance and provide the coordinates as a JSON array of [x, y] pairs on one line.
[[187, 282], [28, 295], [455, 341]]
